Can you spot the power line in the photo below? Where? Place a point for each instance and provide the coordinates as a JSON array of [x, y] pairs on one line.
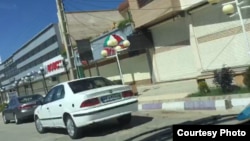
[[85, 25], [96, 16], [139, 9]]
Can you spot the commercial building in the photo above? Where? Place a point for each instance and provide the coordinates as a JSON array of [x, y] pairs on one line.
[[20, 72]]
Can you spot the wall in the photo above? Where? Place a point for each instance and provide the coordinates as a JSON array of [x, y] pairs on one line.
[[184, 4], [214, 40], [173, 58], [220, 39], [154, 10], [134, 69], [83, 25]]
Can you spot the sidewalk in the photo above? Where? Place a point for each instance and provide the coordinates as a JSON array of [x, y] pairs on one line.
[[157, 97]]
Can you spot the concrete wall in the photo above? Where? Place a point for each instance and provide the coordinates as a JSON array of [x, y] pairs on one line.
[[91, 24], [184, 4], [173, 57], [134, 69], [220, 39], [152, 11], [188, 45]]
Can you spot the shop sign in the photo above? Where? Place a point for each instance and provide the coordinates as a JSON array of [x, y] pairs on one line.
[[54, 66]]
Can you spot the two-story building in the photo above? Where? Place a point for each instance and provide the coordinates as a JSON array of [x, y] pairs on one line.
[[192, 38]]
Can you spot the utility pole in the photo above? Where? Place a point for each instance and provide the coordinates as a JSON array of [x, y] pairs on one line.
[[65, 37]]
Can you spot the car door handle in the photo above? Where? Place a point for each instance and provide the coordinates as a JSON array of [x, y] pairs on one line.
[[60, 105], [47, 108]]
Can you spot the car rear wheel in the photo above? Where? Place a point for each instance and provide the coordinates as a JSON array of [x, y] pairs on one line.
[[39, 127], [125, 119], [5, 121], [17, 121], [72, 130]]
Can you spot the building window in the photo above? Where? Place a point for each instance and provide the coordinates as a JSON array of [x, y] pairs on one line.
[[142, 3]]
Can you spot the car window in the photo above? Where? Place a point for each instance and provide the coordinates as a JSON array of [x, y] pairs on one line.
[[88, 84], [30, 98], [59, 93], [49, 96]]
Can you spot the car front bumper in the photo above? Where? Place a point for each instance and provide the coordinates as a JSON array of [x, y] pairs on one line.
[[99, 114]]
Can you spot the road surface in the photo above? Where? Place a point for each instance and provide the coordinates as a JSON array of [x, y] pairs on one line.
[[145, 126]]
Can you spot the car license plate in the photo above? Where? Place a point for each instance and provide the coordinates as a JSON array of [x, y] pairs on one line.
[[110, 98]]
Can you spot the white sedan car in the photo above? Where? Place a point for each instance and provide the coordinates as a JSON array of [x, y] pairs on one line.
[[78, 103]]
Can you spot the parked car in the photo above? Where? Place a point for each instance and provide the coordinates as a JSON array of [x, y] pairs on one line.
[[78, 103], [20, 108]]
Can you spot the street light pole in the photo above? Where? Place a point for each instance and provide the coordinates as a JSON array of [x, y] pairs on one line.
[[65, 63], [3, 94], [118, 63], [242, 24], [16, 84], [29, 79], [228, 9], [119, 66], [42, 72]]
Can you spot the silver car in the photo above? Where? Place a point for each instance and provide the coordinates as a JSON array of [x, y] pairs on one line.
[[20, 108]]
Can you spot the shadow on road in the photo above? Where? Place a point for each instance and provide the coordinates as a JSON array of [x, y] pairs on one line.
[[23, 121], [165, 133], [112, 126], [57, 131], [105, 128]]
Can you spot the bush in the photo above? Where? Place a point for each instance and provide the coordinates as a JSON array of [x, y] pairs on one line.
[[203, 88], [2, 107], [224, 79], [122, 24], [246, 79]]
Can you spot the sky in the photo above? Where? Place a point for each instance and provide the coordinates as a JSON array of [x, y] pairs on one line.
[[21, 20]]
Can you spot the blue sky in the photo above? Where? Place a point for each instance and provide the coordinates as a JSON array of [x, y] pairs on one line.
[[23, 19]]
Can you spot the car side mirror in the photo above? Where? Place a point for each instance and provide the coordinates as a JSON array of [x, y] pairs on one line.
[[6, 106]]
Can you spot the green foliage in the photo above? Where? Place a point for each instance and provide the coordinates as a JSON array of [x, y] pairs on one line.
[[63, 52], [2, 107], [224, 79], [218, 92], [246, 79], [203, 88], [122, 24]]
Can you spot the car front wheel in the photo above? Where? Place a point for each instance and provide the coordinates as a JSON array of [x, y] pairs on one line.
[[72, 130], [39, 127], [125, 119], [5, 121]]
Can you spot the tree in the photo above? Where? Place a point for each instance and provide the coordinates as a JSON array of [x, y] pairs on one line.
[[224, 79], [246, 79]]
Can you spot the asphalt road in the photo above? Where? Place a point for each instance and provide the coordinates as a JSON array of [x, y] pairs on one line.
[[145, 126]]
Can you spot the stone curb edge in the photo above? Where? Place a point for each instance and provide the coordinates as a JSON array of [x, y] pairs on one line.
[[208, 104]]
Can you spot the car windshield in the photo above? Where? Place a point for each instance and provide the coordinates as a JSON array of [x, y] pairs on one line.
[[26, 99], [88, 84]]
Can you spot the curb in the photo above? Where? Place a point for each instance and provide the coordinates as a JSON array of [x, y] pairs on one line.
[[194, 104]]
